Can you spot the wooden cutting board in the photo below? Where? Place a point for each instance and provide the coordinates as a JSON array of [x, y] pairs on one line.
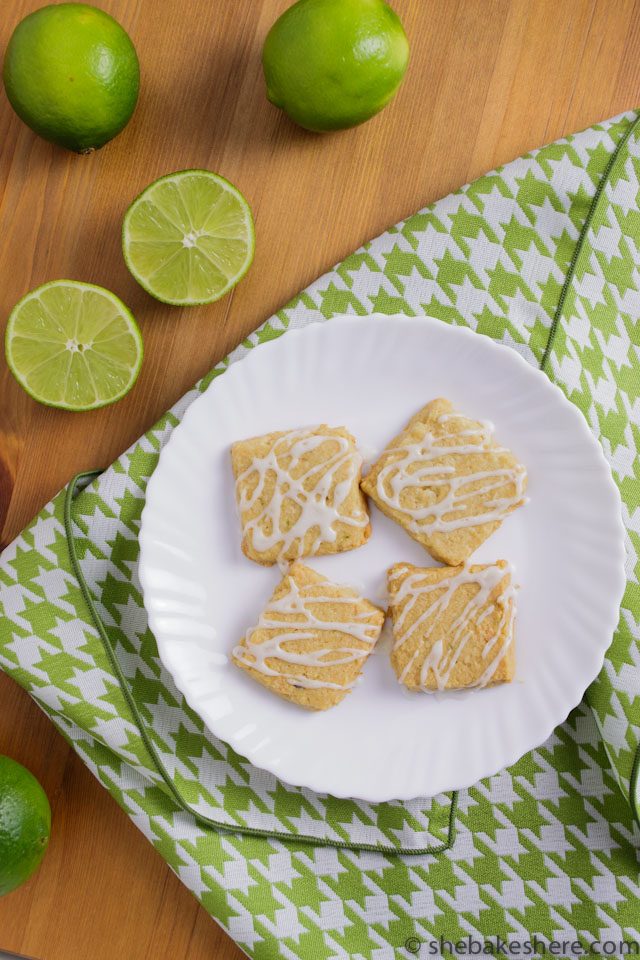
[[488, 80]]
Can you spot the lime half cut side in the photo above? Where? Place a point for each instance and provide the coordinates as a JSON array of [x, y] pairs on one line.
[[73, 345], [188, 238]]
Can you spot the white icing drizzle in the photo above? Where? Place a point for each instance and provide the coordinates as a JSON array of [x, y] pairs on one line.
[[305, 603], [442, 656], [315, 492], [397, 477]]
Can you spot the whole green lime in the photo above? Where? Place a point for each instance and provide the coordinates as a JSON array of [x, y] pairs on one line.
[[71, 73], [25, 824], [332, 64]]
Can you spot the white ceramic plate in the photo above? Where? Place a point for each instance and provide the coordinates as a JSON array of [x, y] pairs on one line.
[[371, 375]]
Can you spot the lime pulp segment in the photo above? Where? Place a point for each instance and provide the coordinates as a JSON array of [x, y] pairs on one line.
[[73, 345], [189, 237]]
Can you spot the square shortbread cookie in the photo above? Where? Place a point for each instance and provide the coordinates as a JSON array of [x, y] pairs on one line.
[[311, 640], [452, 626], [298, 494], [447, 482]]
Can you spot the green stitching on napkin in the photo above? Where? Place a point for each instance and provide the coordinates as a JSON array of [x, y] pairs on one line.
[[581, 239], [157, 762], [634, 793], [592, 322]]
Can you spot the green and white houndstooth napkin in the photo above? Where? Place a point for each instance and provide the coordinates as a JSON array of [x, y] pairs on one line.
[[543, 255]]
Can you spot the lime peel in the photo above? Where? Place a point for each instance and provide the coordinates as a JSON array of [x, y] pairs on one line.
[[332, 64], [25, 824], [72, 74]]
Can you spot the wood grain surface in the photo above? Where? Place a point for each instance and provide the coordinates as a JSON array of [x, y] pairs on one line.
[[488, 80]]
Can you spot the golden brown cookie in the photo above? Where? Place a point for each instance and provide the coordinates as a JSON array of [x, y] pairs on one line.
[[453, 626], [298, 494], [311, 640], [447, 482]]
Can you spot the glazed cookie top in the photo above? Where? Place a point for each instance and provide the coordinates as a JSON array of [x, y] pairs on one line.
[[311, 640], [447, 481], [298, 494], [452, 626]]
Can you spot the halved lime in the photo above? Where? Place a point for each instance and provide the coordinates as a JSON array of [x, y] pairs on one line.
[[188, 238], [73, 345]]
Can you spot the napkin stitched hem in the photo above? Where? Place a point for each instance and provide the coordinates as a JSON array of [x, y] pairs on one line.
[[71, 491], [614, 159], [634, 792], [586, 227]]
